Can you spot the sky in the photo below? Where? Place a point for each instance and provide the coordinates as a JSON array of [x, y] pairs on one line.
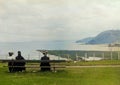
[[41, 20]]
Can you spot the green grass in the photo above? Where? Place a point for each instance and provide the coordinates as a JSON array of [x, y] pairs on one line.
[[76, 76], [91, 63]]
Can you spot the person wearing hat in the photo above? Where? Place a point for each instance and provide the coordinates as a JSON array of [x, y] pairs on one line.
[[45, 66], [11, 63]]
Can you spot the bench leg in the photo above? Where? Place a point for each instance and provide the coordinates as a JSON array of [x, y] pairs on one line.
[[54, 69]]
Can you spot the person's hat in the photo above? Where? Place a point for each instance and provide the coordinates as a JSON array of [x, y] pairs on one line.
[[11, 53], [44, 52]]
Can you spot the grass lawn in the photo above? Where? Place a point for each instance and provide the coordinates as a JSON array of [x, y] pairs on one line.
[[69, 76], [91, 63]]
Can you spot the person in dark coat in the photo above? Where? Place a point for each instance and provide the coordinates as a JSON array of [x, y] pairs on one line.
[[45, 66], [21, 64]]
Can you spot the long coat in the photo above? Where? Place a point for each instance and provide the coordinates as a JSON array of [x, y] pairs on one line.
[[45, 66], [22, 64]]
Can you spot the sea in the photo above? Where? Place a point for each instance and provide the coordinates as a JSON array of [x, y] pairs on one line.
[[29, 49]]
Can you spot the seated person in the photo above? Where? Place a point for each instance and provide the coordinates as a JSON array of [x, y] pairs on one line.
[[11, 63], [21, 65], [45, 66]]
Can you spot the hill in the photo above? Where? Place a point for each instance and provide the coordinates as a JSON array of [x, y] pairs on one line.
[[106, 37], [85, 40]]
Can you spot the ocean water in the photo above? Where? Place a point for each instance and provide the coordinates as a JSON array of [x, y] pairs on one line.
[[28, 49]]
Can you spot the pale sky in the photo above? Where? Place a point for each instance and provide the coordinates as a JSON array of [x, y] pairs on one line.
[[34, 20]]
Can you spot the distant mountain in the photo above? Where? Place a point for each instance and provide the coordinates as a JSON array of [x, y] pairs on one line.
[[85, 40], [106, 37]]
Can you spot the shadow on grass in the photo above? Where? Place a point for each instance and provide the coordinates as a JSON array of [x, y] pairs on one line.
[[58, 72]]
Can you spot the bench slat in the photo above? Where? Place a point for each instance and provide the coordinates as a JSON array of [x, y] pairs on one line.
[[38, 66], [36, 61]]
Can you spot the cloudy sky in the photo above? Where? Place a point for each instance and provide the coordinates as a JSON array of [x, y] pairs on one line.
[[34, 20]]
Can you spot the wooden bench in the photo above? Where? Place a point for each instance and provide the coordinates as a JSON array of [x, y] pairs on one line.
[[36, 63]]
